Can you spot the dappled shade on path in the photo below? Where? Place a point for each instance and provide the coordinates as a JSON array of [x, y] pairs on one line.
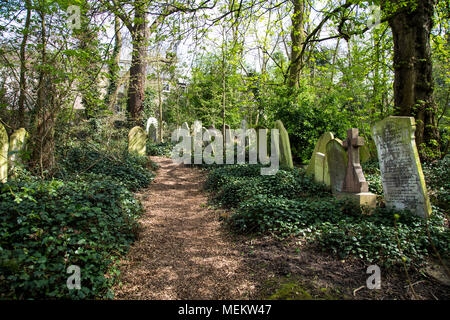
[[181, 251]]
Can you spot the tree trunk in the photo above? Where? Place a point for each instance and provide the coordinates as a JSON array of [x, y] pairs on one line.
[[138, 69], [21, 103], [43, 134], [297, 38], [413, 82], [114, 67]]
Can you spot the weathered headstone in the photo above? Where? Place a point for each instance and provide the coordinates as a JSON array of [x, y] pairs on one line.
[[152, 128], [137, 141], [401, 171], [316, 164], [285, 146], [227, 135], [337, 163], [197, 141], [3, 154], [16, 146], [355, 185]]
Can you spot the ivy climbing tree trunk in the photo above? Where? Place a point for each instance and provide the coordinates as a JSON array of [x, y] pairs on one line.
[[138, 69], [413, 81], [297, 38], [23, 68]]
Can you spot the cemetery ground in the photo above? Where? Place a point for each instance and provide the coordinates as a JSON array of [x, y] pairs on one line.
[[186, 250], [141, 227]]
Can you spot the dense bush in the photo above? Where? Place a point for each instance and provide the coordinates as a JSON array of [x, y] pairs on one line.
[[47, 226], [129, 169], [236, 183], [437, 176], [289, 203], [162, 149]]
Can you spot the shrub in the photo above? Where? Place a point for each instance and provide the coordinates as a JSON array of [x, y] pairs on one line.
[[162, 149], [236, 183], [290, 203], [47, 226], [437, 176], [129, 169]]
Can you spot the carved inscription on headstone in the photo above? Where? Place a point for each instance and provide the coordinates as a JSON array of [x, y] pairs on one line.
[[401, 170]]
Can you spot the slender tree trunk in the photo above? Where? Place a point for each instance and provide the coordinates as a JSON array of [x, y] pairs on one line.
[[413, 82], [297, 38], [23, 69], [114, 68], [44, 145]]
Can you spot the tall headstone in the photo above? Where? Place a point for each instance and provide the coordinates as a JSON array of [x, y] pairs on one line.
[[152, 128], [4, 145], [137, 140], [197, 141], [337, 163], [355, 185], [227, 135], [16, 146], [401, 171], [285, 146], [316, 164]]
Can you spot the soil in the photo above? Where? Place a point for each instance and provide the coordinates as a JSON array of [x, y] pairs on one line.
[[183, 251]]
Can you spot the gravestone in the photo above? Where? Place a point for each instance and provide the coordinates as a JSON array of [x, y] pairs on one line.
[[185, 126], [355, 185], [152, 128], [227, 134], [337, 163], [401, 171], [16, 146], [137, 141], [285, 146], [197, 141], [316, 164], [3, 154]]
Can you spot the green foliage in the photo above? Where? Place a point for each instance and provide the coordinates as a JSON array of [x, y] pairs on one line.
[[162, 149], [237, 183], [47, 226], [129, 169]]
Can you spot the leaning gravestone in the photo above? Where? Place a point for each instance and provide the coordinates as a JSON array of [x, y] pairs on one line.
[[401, 171], [316, 166], [285, 146], [137, 141], [16, 146], [337, 163], [3, 154]]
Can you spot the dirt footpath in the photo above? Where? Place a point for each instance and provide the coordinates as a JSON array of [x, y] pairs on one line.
[[182, 252]]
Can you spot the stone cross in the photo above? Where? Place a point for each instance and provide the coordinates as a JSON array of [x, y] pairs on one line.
[[354, 181]]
